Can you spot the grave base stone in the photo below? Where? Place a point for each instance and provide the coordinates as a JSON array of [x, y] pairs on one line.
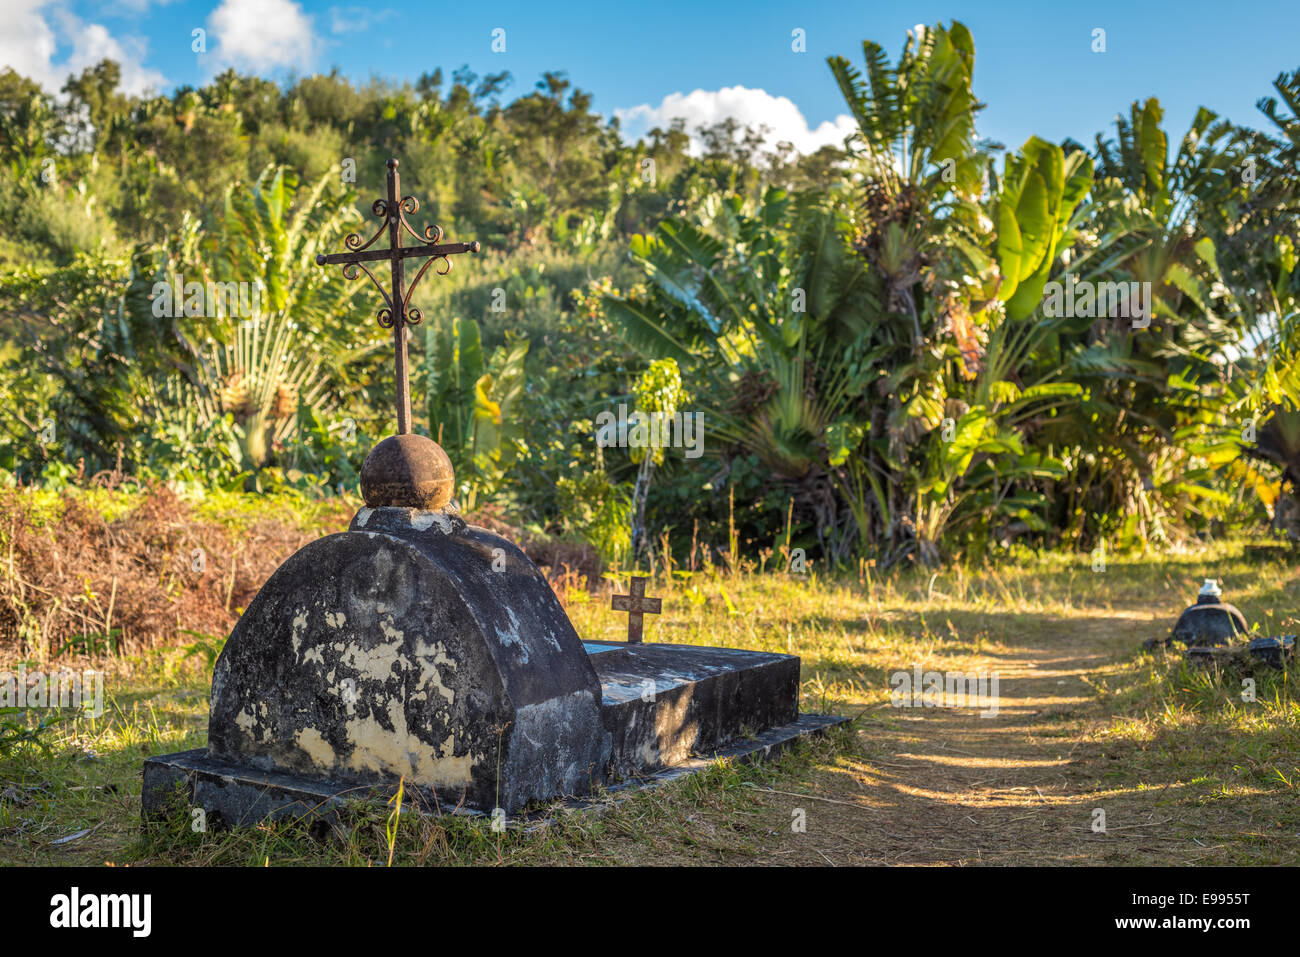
[[420, 649], [1275, 652]]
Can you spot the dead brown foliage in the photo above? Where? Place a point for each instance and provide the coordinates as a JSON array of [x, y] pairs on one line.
[[79, 583], [74, 583], [566, 564]]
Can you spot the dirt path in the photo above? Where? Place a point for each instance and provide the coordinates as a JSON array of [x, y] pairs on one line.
[[955, 787], [947, 786]]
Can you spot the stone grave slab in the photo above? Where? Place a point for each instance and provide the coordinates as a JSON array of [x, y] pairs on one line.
[[416, 647], [397, 650], [664, 703]]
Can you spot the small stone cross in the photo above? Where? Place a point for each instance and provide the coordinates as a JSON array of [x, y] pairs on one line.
[[638, 606]]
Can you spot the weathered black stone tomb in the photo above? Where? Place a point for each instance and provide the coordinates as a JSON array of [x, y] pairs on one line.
[[416, 648], [1211, 631]]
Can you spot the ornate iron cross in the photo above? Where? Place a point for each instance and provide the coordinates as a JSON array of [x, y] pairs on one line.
[[397, 312], [638, 606]]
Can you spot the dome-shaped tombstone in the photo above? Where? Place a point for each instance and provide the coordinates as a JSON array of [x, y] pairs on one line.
[[412, 646], [1210, 621]]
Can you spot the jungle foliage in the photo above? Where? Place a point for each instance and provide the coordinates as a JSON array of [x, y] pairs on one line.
[[875, 338]]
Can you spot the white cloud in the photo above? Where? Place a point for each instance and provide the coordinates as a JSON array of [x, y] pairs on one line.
[[263, 34], [749, 107], [29, 45], [93, 43]]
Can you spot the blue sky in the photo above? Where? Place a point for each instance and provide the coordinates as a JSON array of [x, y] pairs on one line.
[[1035, 67]]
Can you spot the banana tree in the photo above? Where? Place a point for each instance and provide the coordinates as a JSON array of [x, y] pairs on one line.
[[473, 405], [1261, 419], [920, 165], [1259, 416], [765, 310], [1158, 220], [940, 432], [1041, 190], [984, 403]]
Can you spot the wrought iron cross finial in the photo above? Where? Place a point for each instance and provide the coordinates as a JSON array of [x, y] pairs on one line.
[[397, 312]]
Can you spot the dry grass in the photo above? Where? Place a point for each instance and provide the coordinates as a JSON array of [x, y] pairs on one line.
[[90, 572], [1185, 771], [93, 571]]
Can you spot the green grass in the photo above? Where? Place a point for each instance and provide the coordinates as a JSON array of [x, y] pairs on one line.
[[1186, 770], [236, 511]]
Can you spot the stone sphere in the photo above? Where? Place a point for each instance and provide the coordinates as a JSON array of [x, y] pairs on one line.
[[407, 471]]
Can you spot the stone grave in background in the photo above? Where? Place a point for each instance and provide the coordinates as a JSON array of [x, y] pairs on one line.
[[417, 648], [1210, 631]]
